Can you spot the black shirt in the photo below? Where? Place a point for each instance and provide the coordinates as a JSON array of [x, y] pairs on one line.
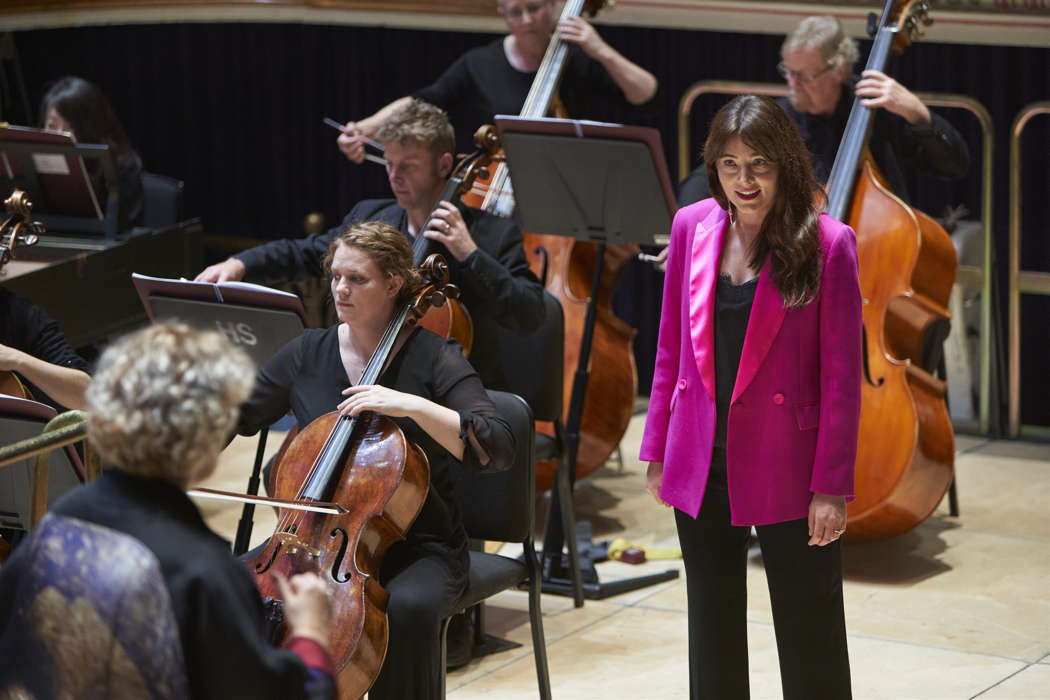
[[732, 311], [216, 605], [934, 149], [495, 282], [483, 78], [308, 377], [26, 327]]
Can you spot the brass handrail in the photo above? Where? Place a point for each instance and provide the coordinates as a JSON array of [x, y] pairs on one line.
[[1020, 281], [979, 277], [64, 429], [713, 87], [967, 276]]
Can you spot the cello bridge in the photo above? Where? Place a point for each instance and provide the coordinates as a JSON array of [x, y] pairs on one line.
[[293, 545]]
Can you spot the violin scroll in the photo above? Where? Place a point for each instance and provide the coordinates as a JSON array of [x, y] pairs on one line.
[[436, 289], [17, 229]]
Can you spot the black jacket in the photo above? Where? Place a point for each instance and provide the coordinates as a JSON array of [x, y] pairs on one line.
[[216, 605], [496, 284]]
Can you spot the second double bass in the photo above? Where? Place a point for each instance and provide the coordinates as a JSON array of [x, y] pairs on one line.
[[567, 269], [906, 264]]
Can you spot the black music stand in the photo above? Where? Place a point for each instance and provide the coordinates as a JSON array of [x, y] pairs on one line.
[[604, 183], [52, 169], [257, 319], [21, 419]]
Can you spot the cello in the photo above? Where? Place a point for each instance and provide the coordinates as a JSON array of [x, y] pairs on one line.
[[17, 230], [905, 452], [373, 483], [567, 267]]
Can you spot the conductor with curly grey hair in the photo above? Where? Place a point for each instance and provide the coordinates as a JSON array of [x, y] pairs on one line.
[[162, 403]]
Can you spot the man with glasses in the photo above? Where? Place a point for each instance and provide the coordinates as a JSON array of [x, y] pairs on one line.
[[817, 59], [495, 78]]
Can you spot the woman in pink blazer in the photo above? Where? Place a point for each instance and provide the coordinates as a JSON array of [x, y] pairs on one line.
[[755, 403]]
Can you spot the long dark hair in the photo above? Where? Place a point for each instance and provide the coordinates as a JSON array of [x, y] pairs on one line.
[[790, 233], [87, 111]]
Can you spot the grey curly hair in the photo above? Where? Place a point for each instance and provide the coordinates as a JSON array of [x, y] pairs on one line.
[[164, 399], [824, 33]]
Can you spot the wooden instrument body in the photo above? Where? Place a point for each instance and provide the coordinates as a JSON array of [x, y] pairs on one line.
[[905, 448], [383, 484], [451, 321], [11, 385]]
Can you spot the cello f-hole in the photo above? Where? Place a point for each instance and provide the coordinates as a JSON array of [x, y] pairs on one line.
[[262, 568], [544, 262], [337, 562]]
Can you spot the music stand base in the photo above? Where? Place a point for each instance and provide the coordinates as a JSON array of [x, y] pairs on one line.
[[601, 591]]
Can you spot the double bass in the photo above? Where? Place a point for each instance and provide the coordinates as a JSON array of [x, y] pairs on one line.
[[906, 265], [17, 230], [567, 268], [371, 483]]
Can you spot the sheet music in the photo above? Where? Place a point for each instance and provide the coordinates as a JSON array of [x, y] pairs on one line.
[[217, 287]]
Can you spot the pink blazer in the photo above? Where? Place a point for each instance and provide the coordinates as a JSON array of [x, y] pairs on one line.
[[792, 428]]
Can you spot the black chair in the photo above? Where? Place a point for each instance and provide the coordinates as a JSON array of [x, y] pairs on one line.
[[162, 200], [499, 506], [535, 367]]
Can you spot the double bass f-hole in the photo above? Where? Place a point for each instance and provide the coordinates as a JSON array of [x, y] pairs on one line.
[[866, 363]]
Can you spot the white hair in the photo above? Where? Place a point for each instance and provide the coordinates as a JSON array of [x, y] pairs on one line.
[[164, 399], [825, 34]]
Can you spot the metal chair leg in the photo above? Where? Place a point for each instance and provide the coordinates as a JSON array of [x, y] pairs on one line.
[[539, 641], [953, 500], [568, 524], [443, 635]]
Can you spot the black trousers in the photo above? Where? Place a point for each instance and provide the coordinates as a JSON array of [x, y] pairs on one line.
[[805, 589], [423, 587]]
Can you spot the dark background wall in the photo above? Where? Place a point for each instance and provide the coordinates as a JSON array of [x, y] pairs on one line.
[[235, 110]]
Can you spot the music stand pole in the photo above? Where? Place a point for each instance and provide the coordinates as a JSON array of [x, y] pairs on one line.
[[592, 182], [244, 526]]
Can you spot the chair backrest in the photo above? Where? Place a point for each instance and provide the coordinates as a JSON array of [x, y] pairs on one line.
[[90, 617], [500, 505], [162, 200], [535, 364]]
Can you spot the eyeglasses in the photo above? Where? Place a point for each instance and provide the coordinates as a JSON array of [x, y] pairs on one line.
[[758, 166], [516, 14], [799, 76]]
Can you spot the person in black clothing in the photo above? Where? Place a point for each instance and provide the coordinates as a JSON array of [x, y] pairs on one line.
[[162, 403], [495, 78], [32, 346], [484, 252], [817, 62], [77, 106], [434, 396]]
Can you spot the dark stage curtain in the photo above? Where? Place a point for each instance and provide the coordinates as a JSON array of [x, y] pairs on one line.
[[235, 110]]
